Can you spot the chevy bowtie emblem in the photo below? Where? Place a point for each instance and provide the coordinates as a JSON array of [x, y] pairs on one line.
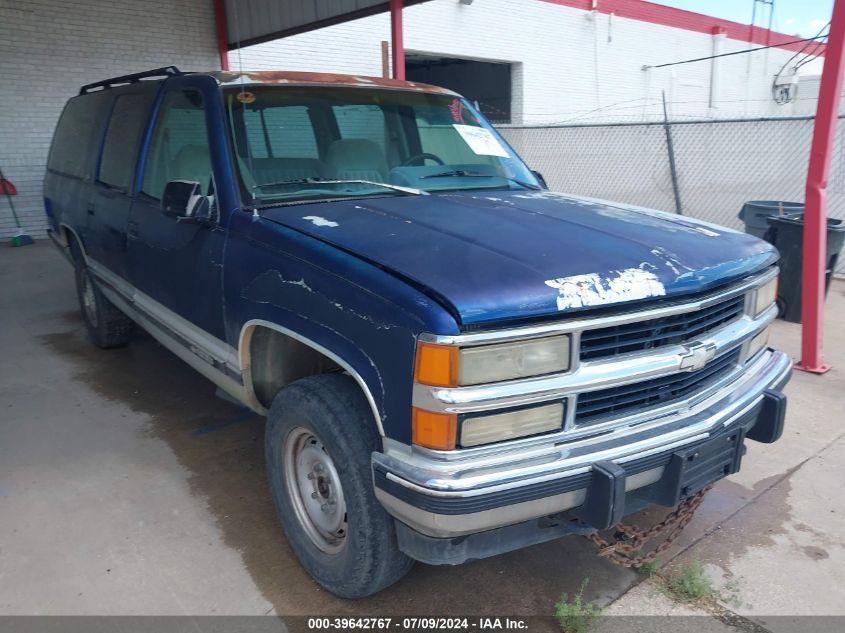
[[697, 355]]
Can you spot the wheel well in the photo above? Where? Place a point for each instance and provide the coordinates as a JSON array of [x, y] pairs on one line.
[[276, 359], [70, 239]]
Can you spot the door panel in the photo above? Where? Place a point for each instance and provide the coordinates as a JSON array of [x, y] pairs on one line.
[[107, 211], [177, 264]]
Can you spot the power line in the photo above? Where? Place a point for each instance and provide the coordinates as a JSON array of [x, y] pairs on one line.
[[783, 94], [817, 36], [811, 55], [748, 50]]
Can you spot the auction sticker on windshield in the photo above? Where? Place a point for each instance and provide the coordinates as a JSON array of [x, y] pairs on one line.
[[481, 140]]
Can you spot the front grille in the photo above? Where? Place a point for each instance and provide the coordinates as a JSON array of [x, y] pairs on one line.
[[670, 330], [593, 406]]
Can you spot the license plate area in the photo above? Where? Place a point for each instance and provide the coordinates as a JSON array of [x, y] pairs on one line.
[[692, 469]]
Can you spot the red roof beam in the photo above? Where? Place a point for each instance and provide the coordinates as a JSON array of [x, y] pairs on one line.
[[688, 21]]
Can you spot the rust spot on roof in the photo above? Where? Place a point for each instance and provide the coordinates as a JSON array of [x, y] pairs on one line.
[[283, 77]]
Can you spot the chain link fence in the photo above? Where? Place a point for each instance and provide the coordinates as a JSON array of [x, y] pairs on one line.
[[719, 164]]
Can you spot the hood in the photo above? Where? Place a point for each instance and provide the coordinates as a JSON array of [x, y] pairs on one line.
[[507, 255]]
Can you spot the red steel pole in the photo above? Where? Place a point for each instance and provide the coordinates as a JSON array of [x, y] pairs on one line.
[[222, 34], [815, 212], [397, 46]]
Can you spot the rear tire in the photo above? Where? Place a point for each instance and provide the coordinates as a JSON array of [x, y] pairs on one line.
[[318, 442], [107, 326]]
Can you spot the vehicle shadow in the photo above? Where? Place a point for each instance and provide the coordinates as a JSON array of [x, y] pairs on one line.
[[221, 446]]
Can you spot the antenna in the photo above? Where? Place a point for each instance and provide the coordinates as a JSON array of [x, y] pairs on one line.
[[243, 92]]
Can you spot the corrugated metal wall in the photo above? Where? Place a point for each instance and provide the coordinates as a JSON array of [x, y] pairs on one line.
[[253, 21]]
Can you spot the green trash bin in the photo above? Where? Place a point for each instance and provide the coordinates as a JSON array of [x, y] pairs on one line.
[[755, 213], [786, 232]]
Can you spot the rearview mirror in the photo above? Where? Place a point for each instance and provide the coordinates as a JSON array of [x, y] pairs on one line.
[[183, 199], [539, 177]]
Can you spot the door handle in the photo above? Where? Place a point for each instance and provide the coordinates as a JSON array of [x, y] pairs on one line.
[[91, 209], [132, 229]]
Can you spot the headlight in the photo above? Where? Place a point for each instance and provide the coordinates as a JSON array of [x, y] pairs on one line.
[[507, 361], [499, 427], [757, 343], [765, 296], [452, 366], [446, 366]]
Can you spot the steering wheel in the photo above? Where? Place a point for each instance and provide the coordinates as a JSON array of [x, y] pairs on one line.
[[423, 156]]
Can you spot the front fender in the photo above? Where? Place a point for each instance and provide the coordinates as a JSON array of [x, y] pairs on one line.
[[368, 367], [360, 316]]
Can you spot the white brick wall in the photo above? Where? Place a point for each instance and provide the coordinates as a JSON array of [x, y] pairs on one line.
[[49, 48], [574, 65]]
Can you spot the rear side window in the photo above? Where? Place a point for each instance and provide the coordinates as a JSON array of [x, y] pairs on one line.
[[123, 137], [437, 136], [280, 132], [361, 121], [77, 135]]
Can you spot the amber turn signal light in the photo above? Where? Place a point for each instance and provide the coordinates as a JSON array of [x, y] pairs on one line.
[[434, 430], [436, 365]]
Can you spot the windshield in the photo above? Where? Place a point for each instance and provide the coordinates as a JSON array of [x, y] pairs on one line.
[[320, 143]]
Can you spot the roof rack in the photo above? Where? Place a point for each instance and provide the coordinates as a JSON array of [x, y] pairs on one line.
[[165, 71]]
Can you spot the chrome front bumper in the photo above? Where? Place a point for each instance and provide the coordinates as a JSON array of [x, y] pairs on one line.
[[444, 496]]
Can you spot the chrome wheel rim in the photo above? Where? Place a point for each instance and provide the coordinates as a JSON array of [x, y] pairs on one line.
[[89, 300], [313, 486]]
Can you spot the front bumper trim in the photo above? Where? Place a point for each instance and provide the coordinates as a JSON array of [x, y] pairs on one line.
[[449, 499]]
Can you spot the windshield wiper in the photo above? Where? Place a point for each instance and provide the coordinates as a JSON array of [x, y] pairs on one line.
[[321, 181], [477, 174]]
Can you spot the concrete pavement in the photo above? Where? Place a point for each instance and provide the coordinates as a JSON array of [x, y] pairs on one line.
[[127, 487]]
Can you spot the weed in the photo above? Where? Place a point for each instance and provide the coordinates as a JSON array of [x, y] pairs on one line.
[[574, 615], [689, 582], [648, 569]]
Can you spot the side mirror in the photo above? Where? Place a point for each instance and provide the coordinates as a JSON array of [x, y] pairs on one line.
[[183, 200], [539, 177]]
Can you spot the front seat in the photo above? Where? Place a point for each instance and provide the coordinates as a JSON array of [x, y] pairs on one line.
[[356, 159]]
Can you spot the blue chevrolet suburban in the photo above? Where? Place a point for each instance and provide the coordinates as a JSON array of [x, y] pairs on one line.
[[454, 362]]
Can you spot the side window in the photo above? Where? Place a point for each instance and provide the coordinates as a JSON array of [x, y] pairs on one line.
[[361, 121], [256, 133], [179, 148], [123, 137], [437, 136], [77, 135], [291, 132], [288, 133]]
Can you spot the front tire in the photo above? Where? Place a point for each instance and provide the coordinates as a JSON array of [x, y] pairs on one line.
[[318, 442]]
